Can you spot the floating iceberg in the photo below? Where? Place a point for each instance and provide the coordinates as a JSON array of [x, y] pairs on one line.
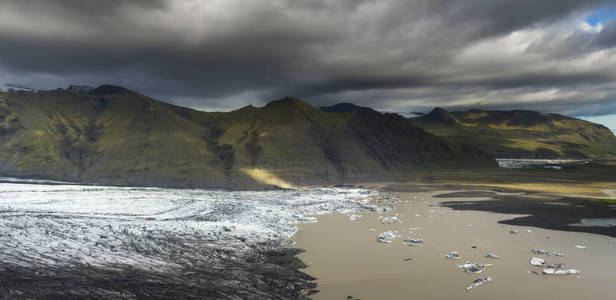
[[387, 236], [548, 253], [452, 255], [414, 242], [560, 272], [467, 264], [389, 220], [478, 282], [537, 261], [476, 268]]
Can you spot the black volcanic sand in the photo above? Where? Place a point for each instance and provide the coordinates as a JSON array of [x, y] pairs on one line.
[[543, 211], [478, 190], [270, 272]]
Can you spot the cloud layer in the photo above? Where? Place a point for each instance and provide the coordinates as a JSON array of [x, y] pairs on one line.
[[393, 55]]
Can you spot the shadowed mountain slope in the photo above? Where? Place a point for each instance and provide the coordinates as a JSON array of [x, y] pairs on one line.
[[521, 133], [344, 108], [115, 136]]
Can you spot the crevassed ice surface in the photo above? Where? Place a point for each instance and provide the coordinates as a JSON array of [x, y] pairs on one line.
[[146, 227]]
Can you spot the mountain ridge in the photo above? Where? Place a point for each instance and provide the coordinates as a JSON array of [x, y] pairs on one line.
[[522, 133], [344, 107], [112, 135]]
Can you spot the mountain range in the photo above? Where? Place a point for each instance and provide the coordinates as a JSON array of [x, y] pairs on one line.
[[111, 135], [521, 133]]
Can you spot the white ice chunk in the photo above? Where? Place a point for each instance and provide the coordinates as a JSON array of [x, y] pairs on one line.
[[548, 253], [387, 236], [537, 261], [452, 255], [470, 265], [389, 219], [478, 282], [560, 272]]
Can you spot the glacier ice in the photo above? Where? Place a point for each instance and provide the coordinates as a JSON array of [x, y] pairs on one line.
[[62, 223]]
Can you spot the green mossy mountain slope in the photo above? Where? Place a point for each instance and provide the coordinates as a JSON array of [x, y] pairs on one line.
[[115, 136], [521, 134]]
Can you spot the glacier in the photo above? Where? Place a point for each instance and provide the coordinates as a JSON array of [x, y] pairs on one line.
[[56, 225]]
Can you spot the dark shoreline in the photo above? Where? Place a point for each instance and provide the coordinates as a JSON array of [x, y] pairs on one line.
[[543, 212], [422, 179]]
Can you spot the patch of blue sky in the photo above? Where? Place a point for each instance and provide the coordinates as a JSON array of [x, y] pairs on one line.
[[602, 15], [608, 120]]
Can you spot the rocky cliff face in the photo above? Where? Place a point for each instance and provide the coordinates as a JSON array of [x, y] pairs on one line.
[[115, 136]]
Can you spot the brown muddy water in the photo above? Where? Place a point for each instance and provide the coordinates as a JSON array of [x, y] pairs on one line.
[[347, 260]]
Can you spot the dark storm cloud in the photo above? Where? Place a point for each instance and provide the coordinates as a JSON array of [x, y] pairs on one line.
[[607, 36], [393, 55], [83, 9]]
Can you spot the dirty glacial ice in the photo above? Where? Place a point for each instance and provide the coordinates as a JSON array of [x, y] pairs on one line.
[[43, 226], [98, 224]]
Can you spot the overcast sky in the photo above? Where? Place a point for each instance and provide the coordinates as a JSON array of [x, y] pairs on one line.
[[549, 55]]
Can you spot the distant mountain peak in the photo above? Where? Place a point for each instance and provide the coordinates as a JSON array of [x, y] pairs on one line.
[[75, 88], [286, 102], [344, 108], [442, 115], [438, 110], [108, 89]]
